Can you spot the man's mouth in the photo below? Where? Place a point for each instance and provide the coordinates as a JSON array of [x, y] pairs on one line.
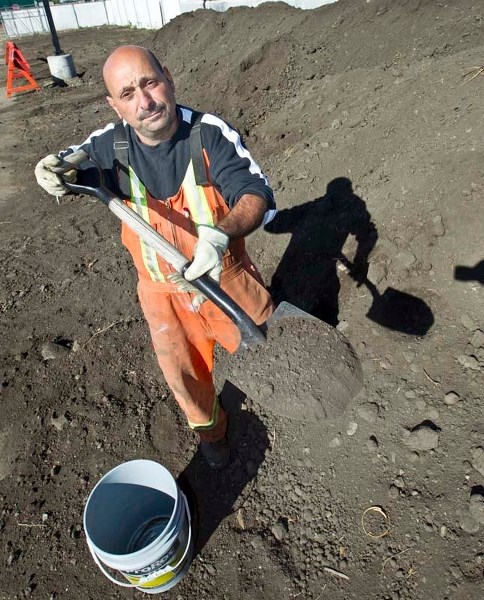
[[153, 114]]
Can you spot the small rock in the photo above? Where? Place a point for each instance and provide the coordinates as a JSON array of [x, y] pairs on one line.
[[422, 438], [410, 394], [467, 322], [307, 513], [53, 351], [477, 340], [406, 258], [477, 460], [59, 422], [438, 228], [266, 390], [469, 524], [372, 444], [76, 346], [352, 428], [376, 272], [451, 398], [469, 362], [399, 483], [409, 356], [335, 442], [279, 530], [393, 492], [342, 326], [476, 507], [455, 572], [368, 412]]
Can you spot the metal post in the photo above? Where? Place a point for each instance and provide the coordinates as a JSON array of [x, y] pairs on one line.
[[136, 15], [41, 20], [106, 11], [75, 15], [53, 32], [32, 27], [149, 14]]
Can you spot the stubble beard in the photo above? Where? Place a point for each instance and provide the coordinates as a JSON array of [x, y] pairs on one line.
[[161, 126]]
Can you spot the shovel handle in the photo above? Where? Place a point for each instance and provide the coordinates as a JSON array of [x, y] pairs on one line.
[[76, 158], [251, 336]]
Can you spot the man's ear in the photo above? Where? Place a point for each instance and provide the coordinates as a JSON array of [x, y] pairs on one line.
[[167, 74], [112, 105]]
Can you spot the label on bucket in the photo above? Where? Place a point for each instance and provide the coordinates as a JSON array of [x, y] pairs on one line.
[[153, 583], [157, 564]]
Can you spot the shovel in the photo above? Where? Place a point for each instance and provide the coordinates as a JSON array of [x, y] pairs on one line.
[[294, 365]]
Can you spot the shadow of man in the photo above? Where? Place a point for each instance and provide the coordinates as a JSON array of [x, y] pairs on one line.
[[212, 495], [306, 275]]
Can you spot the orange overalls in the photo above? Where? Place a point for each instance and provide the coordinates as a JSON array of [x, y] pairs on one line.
[[183, 338]]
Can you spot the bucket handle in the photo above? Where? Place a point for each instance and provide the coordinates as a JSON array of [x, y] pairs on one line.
[[151, 576]]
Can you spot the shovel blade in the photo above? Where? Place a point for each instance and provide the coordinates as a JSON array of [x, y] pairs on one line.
[[306, 370], [286, 310]]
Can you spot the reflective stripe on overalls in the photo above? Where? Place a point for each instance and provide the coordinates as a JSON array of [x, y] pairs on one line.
[[199, 209]]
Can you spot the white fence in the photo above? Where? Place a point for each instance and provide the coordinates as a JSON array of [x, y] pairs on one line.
[[148, 14]]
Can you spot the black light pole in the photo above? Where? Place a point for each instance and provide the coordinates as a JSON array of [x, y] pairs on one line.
[[53, 32], [61, 65]]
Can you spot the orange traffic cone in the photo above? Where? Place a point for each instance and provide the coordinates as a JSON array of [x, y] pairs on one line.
[[18, 68]]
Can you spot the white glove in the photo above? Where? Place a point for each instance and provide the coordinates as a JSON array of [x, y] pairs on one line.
[[185, 286], [209, 250], [51, 174]]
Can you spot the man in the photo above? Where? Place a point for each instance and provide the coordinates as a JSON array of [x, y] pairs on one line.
[[206, 223]]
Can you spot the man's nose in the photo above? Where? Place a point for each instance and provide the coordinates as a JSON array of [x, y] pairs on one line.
[[145, 100]]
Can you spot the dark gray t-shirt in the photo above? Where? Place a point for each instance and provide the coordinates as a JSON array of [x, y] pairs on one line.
[[162, 168]]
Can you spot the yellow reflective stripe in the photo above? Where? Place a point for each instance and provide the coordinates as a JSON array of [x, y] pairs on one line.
[[140, 205], [198, 204], [213, 420]]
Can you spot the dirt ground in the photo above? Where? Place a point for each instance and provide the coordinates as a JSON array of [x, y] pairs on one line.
[[371, 133]]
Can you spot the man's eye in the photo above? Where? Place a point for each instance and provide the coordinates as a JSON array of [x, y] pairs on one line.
[[126, 95], [151, 82]]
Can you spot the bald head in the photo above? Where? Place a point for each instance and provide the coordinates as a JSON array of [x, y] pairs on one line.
[[122, 54], [141, 92]]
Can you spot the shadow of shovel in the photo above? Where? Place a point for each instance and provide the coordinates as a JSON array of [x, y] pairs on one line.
[[395, 309]]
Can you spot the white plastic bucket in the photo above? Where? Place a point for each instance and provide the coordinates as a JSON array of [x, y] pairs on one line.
[[137, 522]]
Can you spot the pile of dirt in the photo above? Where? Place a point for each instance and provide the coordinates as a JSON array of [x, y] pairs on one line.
[[362, 116]]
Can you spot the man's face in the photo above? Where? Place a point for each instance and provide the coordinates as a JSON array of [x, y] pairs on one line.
[[141, 94]]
